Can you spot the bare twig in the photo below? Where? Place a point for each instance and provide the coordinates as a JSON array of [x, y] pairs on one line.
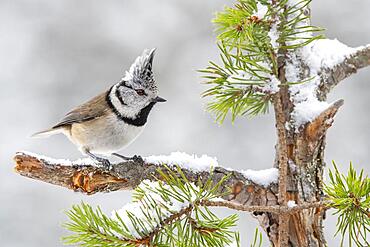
[[276, 209]]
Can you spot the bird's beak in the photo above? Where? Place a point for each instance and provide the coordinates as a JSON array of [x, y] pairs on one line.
[[159, 99]]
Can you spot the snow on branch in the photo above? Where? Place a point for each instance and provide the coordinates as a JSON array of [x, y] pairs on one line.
[[262, 177], [327, 62], [162, 213], [83, 176], [193, 162], [331, 76]]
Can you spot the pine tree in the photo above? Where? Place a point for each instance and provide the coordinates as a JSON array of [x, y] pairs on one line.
[[270, 57]]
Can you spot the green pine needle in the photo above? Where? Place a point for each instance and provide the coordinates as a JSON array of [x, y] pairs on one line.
[[257, 239], [155, 223], [350, 197], [245, 46]]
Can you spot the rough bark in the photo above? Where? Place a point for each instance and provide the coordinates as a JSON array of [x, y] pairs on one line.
[[305, 154], [307, 157], [90, 179], [282, 158], [330, 77], [303, 150]]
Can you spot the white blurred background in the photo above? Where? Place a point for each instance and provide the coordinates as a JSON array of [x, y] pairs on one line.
[[55, 55]]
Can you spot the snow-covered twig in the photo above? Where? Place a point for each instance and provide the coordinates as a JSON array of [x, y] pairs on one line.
[[331, 76], [315, 59]]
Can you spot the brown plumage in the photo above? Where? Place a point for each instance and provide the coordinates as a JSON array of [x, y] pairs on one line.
[[112, 120], [94, 108]]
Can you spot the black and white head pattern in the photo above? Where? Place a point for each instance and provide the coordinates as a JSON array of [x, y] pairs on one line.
[[141, 71], [136, 92]]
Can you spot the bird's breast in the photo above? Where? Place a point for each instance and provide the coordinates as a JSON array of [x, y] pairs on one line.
[[104, 135]]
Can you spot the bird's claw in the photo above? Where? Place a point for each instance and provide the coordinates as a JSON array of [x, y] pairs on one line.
[[137, 158], [99, 161], [105, 163]]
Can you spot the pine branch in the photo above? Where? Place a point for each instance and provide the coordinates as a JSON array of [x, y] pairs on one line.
[[90, 179], [330, 77], [349, 195], [163, 213], [250, 35]]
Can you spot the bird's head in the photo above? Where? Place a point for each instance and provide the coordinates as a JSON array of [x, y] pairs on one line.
[[138, 88]]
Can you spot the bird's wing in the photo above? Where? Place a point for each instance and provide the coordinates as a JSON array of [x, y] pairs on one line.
[[94, 108]]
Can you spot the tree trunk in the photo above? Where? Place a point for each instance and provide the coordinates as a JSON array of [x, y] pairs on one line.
[[300, 159], [305, 151]]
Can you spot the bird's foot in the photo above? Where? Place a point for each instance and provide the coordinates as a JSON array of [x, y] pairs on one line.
[[99, 160], [105, 163], [135, 158]]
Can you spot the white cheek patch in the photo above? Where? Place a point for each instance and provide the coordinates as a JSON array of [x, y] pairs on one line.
[[122, 109], [132, 105], [115, 101]]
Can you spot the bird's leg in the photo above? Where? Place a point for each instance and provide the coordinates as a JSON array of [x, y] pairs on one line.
[[121, 156], [136, 158], [100, 160]]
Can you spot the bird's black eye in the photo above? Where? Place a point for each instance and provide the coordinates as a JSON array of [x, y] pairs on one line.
[[140, 92]]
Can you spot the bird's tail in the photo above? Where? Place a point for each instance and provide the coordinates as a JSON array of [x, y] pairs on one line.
[[47, 133]]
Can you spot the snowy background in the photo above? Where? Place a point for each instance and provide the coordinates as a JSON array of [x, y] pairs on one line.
[[57, 54]]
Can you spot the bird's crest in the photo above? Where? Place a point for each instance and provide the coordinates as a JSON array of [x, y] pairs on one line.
[[141, 71]]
